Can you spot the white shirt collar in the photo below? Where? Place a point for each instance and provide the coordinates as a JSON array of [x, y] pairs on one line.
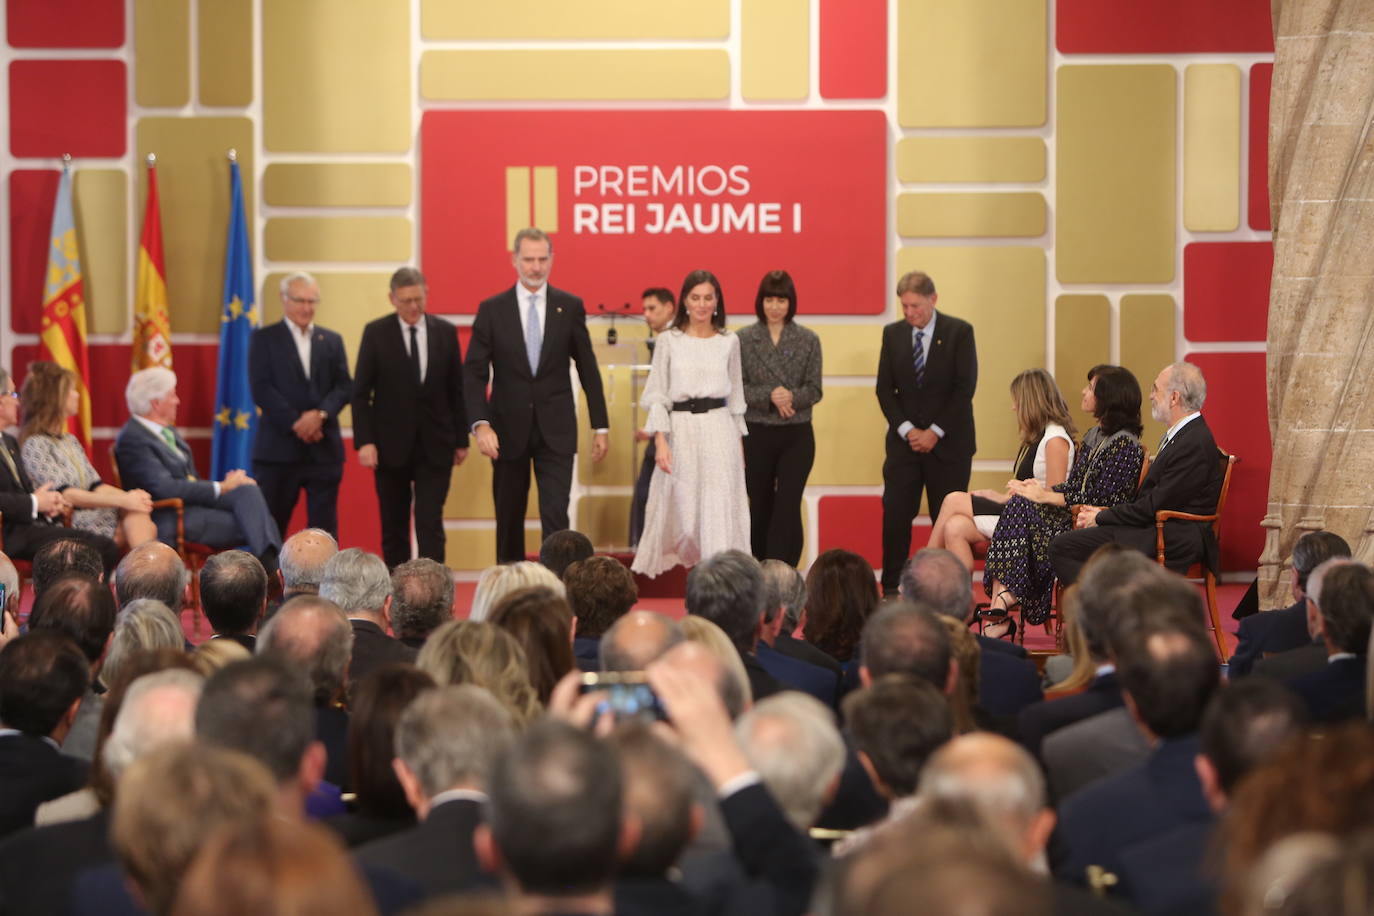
[[152, 426], [457, 795], [1173, 430], [296, 330], [524, 293], [928, 330]]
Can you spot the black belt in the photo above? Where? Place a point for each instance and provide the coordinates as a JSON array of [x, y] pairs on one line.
[[699, 405]]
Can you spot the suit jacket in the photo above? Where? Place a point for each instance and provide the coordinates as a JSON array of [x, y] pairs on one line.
[[16, 500], [1269, 634], [1167, 875], [1005, 646], [1087, 751], [38, 865], [1007, 684], [639, 896], [410, 424], [762, 683], [802, 650], [146, 463], [1295, 662], [799, 675], [779, 863], [436, 853], [587, 652], [1185, 477], [945, 397], [282, 392], [32, 771], [372, 647], [1335, 692], [520, 399], [1038, 720]]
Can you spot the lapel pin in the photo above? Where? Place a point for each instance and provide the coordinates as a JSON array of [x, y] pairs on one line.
[[558, 309], [939, 342]]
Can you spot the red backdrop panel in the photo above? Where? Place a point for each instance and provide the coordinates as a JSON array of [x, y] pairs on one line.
[[644, 197], [65, 23], [1226, 290], [1261, 76], [68, 106], [1162, 26], [856, 523], [1236, 412], [32, 193], [853, 49]]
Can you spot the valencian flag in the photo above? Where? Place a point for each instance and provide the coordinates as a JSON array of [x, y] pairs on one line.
[[152, 328], [236, 418], [63, 337]]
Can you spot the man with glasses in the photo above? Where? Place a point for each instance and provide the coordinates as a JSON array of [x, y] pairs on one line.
[[299, 373]]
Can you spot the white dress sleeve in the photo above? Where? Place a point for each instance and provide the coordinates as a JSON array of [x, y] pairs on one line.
[[656, 400], [734, 402]]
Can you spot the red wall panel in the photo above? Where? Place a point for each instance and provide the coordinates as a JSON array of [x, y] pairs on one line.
[[853, 49], [65, 23], [1162, 26], [1261, 76], [31, 201], [1226, 290], [68, 106]]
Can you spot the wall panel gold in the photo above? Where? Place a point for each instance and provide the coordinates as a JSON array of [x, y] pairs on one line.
[[621, 463], [1114, 213], [848, 349], [193, 191], [971, 159], [226, 54], [338, 238], [99, 198], [528, 20], [336, 76], [1014, 214], [469, 495], [1082, 339], [849, 437], [605, 519], [574, 75], [775, 50], [162, 53], [337, 184], [1211, 147], [1147, 345], [474, 549]]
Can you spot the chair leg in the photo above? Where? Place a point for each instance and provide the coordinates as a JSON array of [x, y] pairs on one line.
[[1218, 633]]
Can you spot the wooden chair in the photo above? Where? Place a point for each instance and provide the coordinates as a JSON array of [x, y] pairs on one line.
[[192, 553], [1200, 570]]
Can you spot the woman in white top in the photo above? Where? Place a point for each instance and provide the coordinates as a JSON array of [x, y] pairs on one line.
[[1046, 454], [698, 505]]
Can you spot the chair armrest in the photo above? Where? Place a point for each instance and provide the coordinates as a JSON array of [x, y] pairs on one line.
[[179, 505], [1164, 515]]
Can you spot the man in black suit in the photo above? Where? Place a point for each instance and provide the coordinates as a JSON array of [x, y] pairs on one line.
[[1341, 616], [926, 378], [83, 609], [787, 598], [421, 600], [299, 374], [660, 308], [446, 741], [152, 456], [1185, 477], [1281, 631], [358, 582], [522, 343], [233, 593], [29, 514], [409, 423]]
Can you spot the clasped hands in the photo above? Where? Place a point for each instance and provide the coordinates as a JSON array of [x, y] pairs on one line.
[[50, 502], [309, 426], [782, 400], [921, 440]]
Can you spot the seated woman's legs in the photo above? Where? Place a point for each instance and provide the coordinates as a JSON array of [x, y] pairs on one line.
[[134, 529], [957, 504], [960, 535]]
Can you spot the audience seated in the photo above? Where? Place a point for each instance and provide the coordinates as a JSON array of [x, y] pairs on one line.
[[233, 595], [467, 652], [64, 557], [1310, 656], [303, 558], [636, 639], [421, 600], [360, 584], [820, 679], [601, 590], [541, 622], [564, 548], [144, 625], [786, 616], [84, 609], [841, 594], [1341, 616], [965, 653], [711, 640], [498, 581], [9, 608], [791, 741], [153, 570]]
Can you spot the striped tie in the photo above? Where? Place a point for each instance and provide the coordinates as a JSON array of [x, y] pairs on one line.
[[918, 357]]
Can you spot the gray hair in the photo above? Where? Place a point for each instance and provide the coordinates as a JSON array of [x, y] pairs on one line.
[[498, 581], [1317, 576], [356, 580], [533, 234], [407, 276], [995, 774], [1312, 549], [146, 386], [727, 589], [791, 740], [937, 577], [298, 569], [158, 709], [144, 623], [786, 590], [421, 597], [1186, 378], [449, 737], [312, 633], [296, 276], [637, 639], [152, 570]]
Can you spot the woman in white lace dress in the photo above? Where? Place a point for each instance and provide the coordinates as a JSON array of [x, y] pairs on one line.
[[698, 505]]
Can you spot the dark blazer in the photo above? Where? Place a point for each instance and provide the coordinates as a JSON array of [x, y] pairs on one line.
[[654, 897], [283, 393], [436, 853], [372, 647], [146, 463], [38, 865], [799, 675], [399, 417], [521, 400], [587, 652], [762, 683], [16, 503], [777, 859], [1038, 720], [1007, 684], [1269, 634], [1005, 646], [945, 397], [32, 771], [331, 729], [1084, 752], [802, 650], [1335, 692], [1185, 477], [1295, 662], [1168, 875]]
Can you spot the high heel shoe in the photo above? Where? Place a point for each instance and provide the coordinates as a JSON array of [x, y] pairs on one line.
[[1008, 633], [995, 615]]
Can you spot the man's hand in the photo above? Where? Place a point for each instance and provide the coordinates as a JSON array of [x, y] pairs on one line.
[[663, 453], [487, 441], [699, 720], [921, 440], [459, 456], [601, 444], [309, 426], [367, 456], [1086, 517], [235, 479], [137, 501], [50, 502], [569, 703]]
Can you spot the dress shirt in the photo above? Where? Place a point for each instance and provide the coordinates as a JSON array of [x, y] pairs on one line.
[[13, 732], [541, 305], [421, 339], [301, 338], [156, 429], [927, 338], [1173, 430], [449, 795]]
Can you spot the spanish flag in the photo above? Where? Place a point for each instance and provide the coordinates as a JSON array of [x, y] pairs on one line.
[[152, 328], [63, 335]]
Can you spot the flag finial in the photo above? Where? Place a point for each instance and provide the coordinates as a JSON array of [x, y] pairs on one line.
[[233, 155], [152, 158], [66, 161]]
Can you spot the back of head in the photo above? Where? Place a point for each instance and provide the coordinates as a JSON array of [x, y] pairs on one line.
[[659, 787], [156, 710], [937, 578], [1117, 393], [41, 675], [1346, 603], [79, 606], [261, 707], [378, 700], [151, 570], [464, 652], [727, 589], [564, 548], [449, 737], [64, 557], [898, 722], [1246, 721], [555, 810], [1315, 548], [171, 801], [841, 593], [357, 581], [791, 740], [717, 660], [1108, 578], [233, 591], [1186, 378], [542, 623], [303, 558], [786, 590], [143, 624], [498, 581], [636, 639], [601, 590], [1039, 403], [421, 597], [991, 772], [1164, 660], [313, 634], [906, 638]]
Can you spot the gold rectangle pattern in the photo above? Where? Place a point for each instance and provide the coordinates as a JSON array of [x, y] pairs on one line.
[[517, 200], [338, 238], [224, 62], [531, 20], [162, 53], [971, 159], [1211, 147], [971, 214], [575, 75], [775, 49], [546, 197], [99, 199], [337, 184]]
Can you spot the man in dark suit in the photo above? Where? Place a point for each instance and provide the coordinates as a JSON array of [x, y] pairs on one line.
[[601, 590], [358, 582], [30, 513], [409, 423], [233, 593], [152, 456], [727, 589], [446, 741], [522, 343], [1279, 631], [926, 378], [787, 600], [299, 374], [660, 307], [1341, 615], [1185, 477]]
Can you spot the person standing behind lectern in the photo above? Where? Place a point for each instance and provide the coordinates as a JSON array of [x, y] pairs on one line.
[[927, 374], [522, 342], [409, 423]]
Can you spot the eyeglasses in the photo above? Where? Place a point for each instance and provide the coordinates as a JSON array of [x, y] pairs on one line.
[[10, 394]]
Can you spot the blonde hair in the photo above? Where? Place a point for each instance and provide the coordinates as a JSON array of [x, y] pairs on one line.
[[1084, 668], [1038, 404], [145, 623], [476, 652], [963, 648], [705, 633], [44, 399], [498, 581], [214, 654]]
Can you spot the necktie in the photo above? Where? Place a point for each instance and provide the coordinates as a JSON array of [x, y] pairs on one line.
[[415, 356], [9, 461], [170, 438], [918, 357], [534, 334], [1163, 441]]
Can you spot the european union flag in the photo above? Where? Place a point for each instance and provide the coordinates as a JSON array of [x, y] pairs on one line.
[[236, 417]]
